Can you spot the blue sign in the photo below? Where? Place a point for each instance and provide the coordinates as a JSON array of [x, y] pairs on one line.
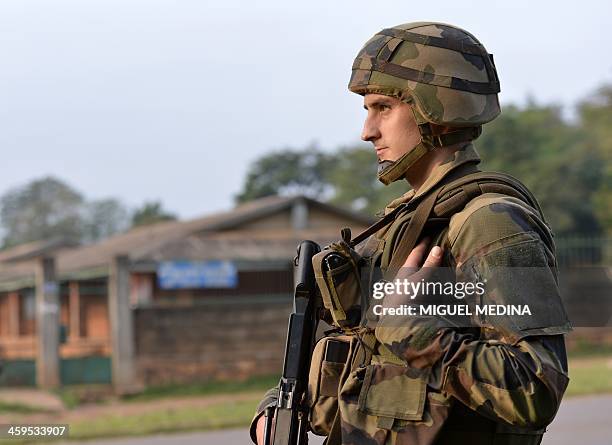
[[197, 274]]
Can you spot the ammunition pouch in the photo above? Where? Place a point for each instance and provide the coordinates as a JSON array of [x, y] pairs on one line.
[[386, 394], [329, 358], [337, 275]]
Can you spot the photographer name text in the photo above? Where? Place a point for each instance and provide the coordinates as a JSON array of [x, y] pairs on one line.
[[452, 310]]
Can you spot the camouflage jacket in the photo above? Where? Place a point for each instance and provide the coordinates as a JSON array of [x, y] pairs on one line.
[[501, 383]]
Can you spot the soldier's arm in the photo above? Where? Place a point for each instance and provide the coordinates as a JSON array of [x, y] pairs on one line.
[[519, 384], [269, 399], [511, 376]]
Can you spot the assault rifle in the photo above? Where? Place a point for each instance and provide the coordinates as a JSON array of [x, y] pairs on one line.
[[287, 422]]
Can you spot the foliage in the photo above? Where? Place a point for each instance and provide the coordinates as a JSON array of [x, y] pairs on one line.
[[43, 209], [104, 218], [549, 155], [48, 208], [355, 184], [287, 172], [596, 117], [150, 213]]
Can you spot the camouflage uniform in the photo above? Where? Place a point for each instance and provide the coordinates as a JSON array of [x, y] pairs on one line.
[[428, 383], [494, 385]]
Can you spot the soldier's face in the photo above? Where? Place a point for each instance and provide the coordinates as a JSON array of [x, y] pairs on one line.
[[390, 126]]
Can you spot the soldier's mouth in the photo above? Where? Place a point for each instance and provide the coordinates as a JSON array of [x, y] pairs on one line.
[[379, 151]]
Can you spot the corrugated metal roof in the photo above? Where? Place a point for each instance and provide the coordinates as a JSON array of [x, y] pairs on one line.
[[27, 251]]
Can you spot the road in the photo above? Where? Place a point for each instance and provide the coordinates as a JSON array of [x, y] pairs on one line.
[[584, 420]]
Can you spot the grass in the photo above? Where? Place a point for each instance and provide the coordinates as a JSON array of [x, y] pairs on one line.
[[19, 408], [69, 398], [590, 375], [585, 348], [205, 389], [220, 415], [75, 395]]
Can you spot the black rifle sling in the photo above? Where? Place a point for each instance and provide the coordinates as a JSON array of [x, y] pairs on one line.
[[383, 222], [335, 434]]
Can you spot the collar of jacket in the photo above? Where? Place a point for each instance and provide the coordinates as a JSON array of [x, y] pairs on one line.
[[465, 155]]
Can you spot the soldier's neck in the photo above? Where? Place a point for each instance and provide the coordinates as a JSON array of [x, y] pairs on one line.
[[424, 167]]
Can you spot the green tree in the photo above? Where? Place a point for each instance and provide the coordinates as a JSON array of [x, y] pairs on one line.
[[346, 178], [103, 218], [49, 208], [595, 114], [287, 172], [150, 213], [43, 209], [355, 184], [548, 154]]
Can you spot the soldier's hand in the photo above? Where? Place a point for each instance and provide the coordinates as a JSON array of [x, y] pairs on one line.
[[415, 269], [414, 260], [261, 425], [259, 431]]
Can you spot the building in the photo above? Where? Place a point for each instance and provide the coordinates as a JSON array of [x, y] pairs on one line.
[[196, 290]]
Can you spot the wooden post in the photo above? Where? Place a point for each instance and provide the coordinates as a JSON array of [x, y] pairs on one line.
[[74, 309], [121, 324], [47, 324], [14, 315]]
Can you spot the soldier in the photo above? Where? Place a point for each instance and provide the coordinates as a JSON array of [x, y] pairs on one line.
[[428, 88]]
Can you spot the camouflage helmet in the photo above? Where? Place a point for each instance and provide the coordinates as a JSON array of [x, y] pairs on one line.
[[443, 71]]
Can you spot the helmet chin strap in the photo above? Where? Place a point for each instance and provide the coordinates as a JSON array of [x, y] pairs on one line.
[[391, 171]]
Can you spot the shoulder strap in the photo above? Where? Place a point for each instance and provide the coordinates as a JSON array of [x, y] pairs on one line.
[[492, 182], [413, 232], [383, 222]]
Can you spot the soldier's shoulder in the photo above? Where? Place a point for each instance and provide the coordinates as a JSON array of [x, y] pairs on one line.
[[491, 217]]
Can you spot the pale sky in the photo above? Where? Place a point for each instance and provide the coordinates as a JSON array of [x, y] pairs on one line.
[[172, 99]]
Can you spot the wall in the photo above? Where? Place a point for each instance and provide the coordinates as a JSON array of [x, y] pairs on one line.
[[222, 339]]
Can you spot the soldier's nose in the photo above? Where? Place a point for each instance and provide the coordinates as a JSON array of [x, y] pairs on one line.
[[369, 133]]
